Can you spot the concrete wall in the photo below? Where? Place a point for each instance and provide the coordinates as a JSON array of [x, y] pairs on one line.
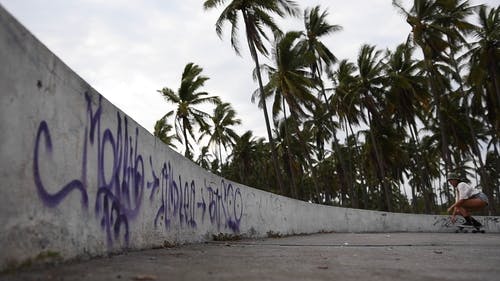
[[79, 178]]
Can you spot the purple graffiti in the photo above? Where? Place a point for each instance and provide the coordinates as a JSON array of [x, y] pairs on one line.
[[124, 186], [225, 206], [121, 178], [119, 194], [53, 200], [155, 183], [178, 198]]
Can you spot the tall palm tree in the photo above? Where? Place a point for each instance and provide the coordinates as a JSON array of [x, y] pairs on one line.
[[484, 73], [321, 126], [346, 103], [291, 84], [455, 18], [430, 37], [370, 68], [221, 134], [427, 19], [289, 80], [187, 98], [316, 27], [407, 98], [256, 16], [291, 157], [484, 79]]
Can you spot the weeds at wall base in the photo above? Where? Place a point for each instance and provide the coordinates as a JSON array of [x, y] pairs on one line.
[[272, 234], [226, 237], [43, 259]]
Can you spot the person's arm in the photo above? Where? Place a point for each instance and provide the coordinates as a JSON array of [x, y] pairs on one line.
[[457, 204], [455, 207], [461, 192]]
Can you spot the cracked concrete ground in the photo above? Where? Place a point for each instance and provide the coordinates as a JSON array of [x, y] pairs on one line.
[[330, 256]]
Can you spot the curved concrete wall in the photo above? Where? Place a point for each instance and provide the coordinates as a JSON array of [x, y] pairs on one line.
[[79, 178]]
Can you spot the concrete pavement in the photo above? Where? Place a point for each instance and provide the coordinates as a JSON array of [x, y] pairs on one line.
[[327, 256], [81, 178]]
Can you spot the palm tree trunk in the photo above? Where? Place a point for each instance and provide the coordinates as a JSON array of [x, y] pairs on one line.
[[287, 139], [310, 163], [186, 153], [431, 76], [220, 157], [493, 71], [424, 176], [255, 56], [336, 145], [364, 186], [386, 189], [413, 193]]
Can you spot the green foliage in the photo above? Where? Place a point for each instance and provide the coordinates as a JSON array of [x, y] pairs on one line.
[[380, 133]]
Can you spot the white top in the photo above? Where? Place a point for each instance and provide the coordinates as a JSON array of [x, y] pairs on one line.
[[466, 191]]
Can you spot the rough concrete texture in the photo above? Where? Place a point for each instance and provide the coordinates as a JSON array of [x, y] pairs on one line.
[[333, 256], [80, 178]]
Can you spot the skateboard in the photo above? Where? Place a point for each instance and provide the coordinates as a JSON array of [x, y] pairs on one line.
[[466, 229]]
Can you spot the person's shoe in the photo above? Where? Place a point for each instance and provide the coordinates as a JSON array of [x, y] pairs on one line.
[[475, 223], [467, 224]]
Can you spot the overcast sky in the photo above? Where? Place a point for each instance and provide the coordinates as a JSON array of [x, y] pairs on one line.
[[128, 49]]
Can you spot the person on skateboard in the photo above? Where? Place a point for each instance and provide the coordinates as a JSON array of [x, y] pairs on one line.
[[469, 199]]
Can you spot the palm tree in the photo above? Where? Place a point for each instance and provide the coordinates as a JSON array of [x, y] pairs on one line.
[[455, 20], [316, 26], [250, 163], [346, 103], [492, 167], [428, 19], [288, 79], [186, 99], [256, 17], [485, 84], [291, 84], [204, 158], [407, 98], [222, 135], [370, 68], [162, 130], [291, 157], [430, 37], [485, 60], [322, 128], [242, 156]]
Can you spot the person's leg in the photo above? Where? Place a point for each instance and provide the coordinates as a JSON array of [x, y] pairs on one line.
[[475, 222], [466, 214], [469, 206], [473, 204], [463, 212]]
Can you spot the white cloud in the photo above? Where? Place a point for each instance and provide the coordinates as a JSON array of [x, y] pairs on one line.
[[129, 49]]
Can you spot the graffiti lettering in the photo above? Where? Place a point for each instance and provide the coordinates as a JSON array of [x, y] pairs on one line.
[[52, 200], [121, 178]]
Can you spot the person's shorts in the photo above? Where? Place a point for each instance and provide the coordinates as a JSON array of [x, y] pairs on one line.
[[481, 196]]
